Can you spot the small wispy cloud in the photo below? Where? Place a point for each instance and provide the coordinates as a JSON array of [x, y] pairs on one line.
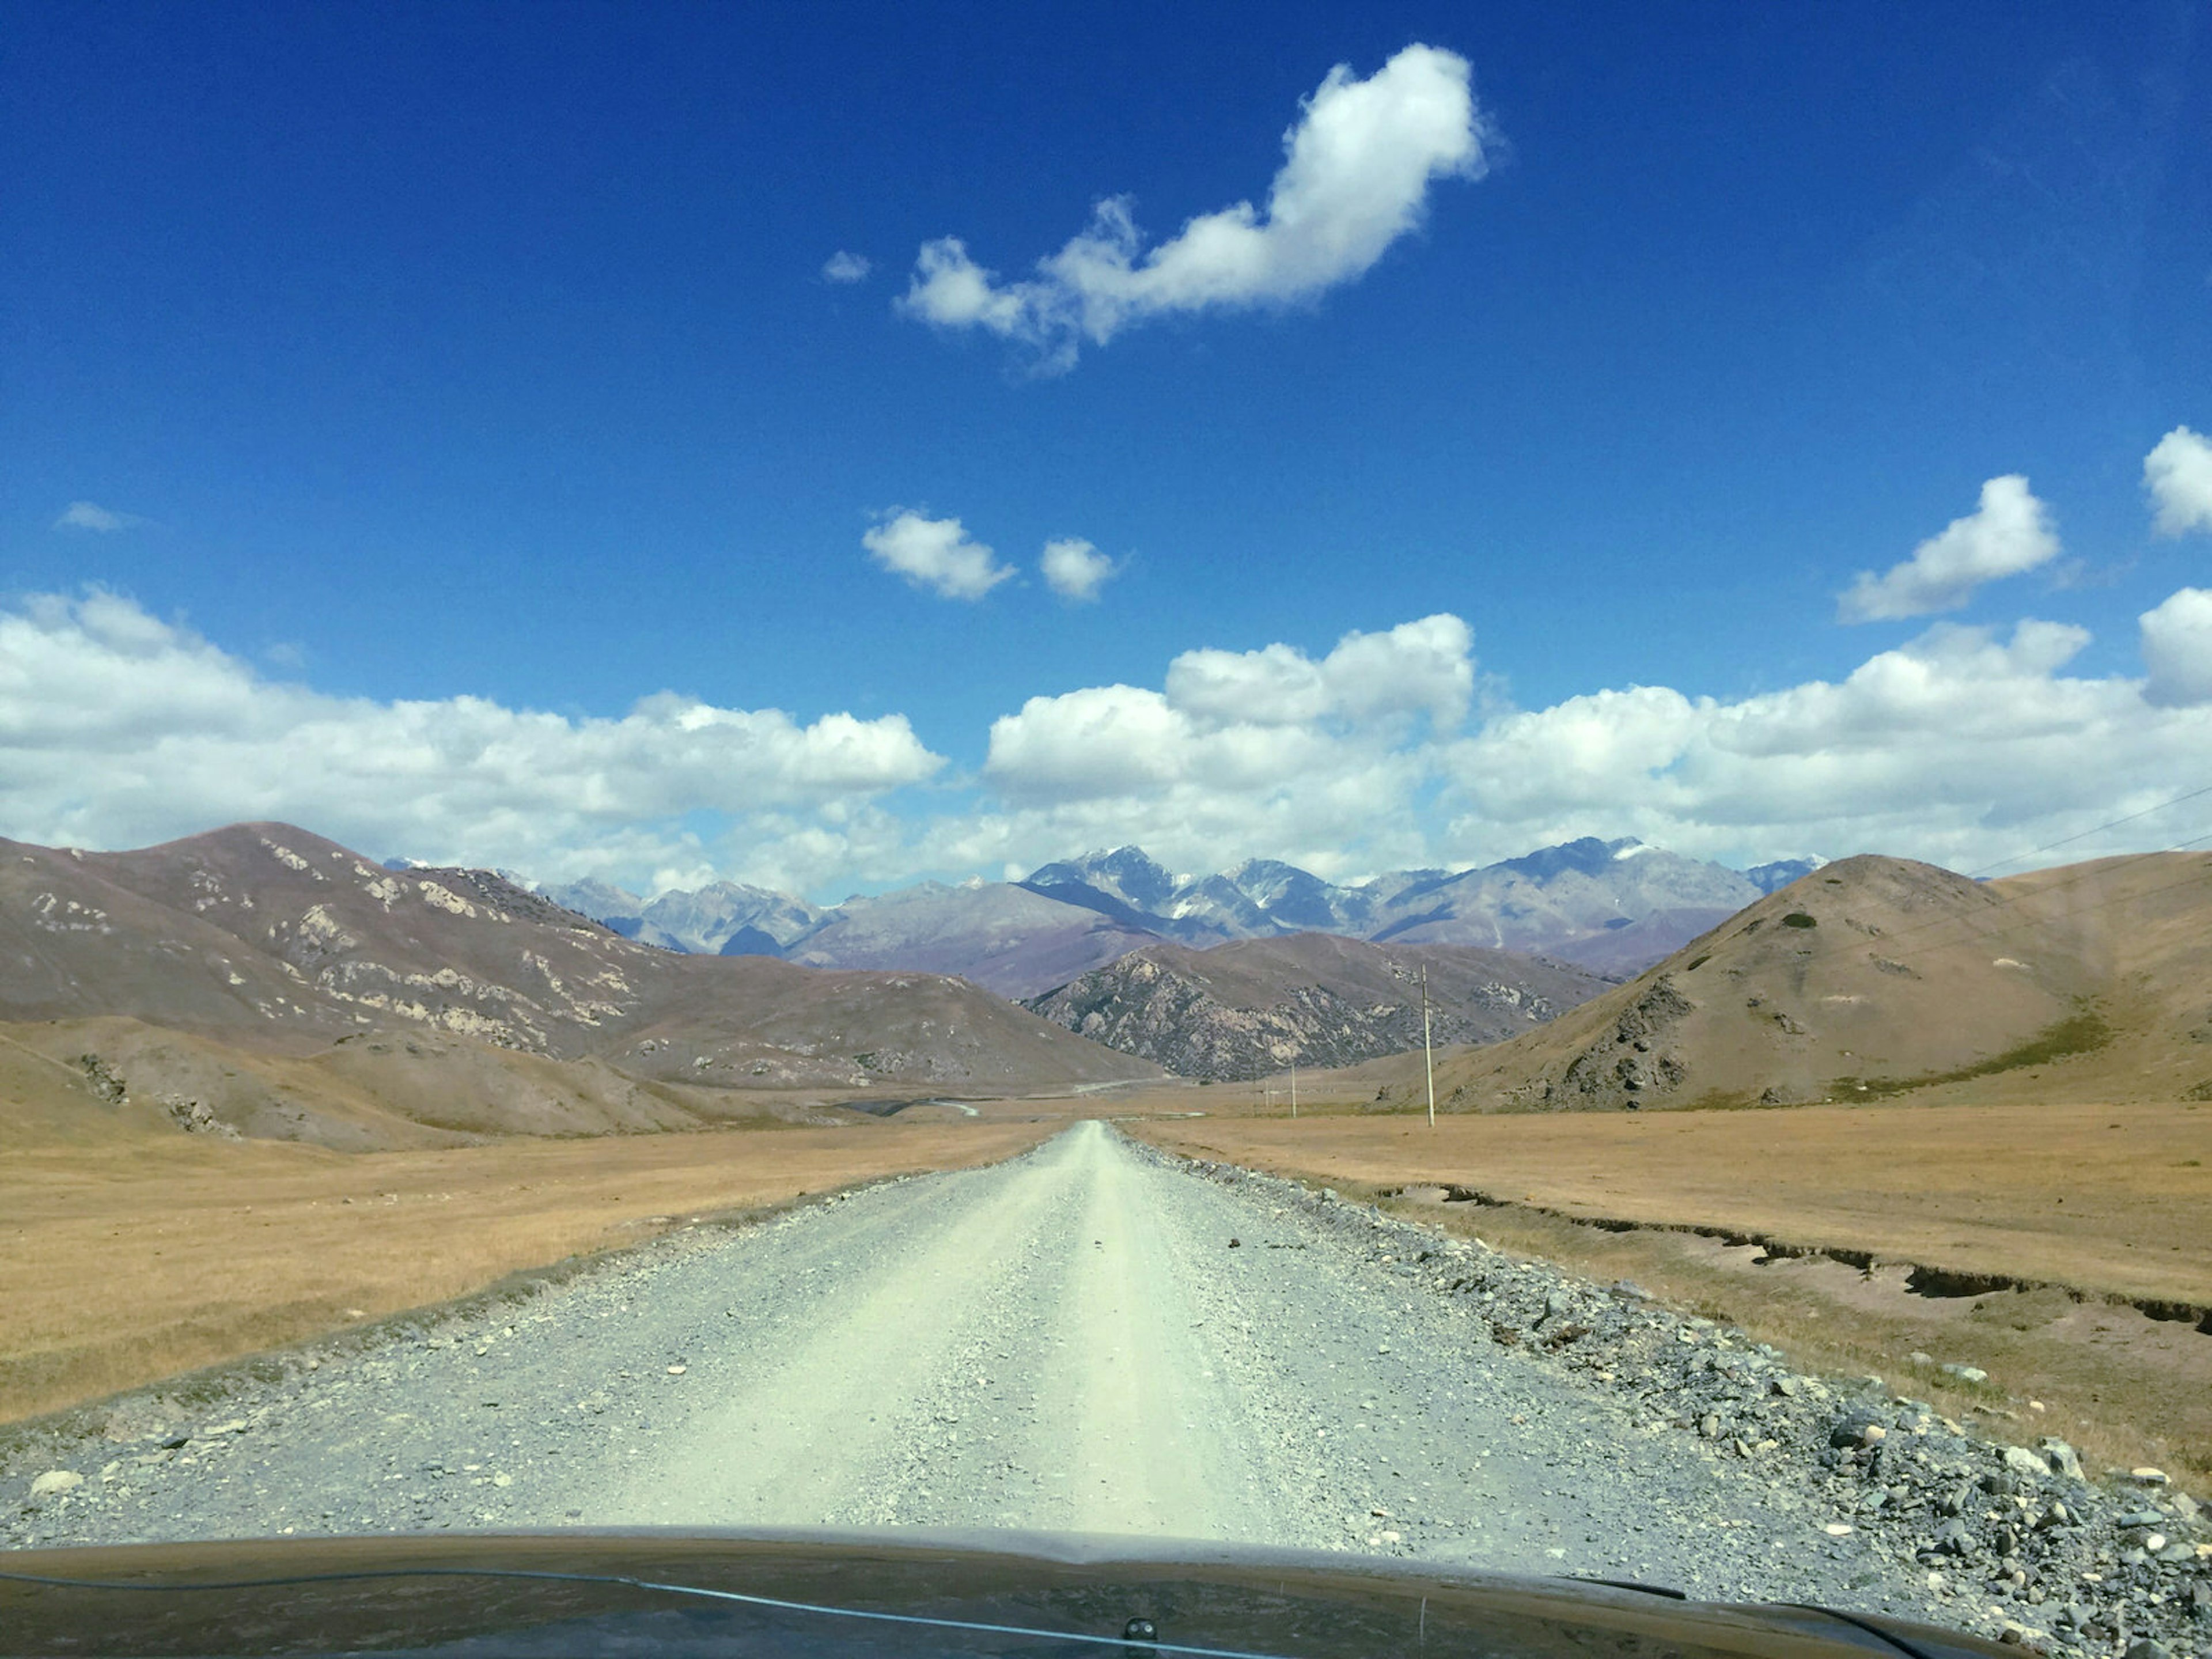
[[936, 555], [1074, 569], [2009, 532], [91, 515], [843, 267]]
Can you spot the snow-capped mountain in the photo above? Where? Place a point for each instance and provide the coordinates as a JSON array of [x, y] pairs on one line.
[[1613, 907], [1773, 877]]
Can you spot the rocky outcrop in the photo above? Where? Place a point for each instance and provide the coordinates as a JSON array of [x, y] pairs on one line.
[[1254, 1009], [1631, 1059]]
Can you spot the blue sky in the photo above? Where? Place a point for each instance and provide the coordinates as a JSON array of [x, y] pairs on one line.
[[441, 381]]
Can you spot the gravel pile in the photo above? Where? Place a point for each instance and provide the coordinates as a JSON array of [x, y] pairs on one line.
[[2016, 1542]]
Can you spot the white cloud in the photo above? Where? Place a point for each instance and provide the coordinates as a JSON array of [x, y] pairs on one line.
[[1355, 179], [2009, 532], [2177, 648], [843, 267], [118, 729], [91, 515], [1075, 568], [1425, 666], [2177, 478], [1962, 746], [936, 554], [1242, 752]]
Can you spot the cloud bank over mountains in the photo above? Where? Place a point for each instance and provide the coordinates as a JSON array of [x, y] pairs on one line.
[[1356, 175], [118, 729], [1963, 745]]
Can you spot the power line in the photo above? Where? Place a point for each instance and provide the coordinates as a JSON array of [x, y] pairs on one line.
[[2099, 830], [2009, 900], [2016, 901]]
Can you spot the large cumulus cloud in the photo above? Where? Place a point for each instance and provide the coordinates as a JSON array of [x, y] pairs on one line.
[[117, 728], [1963, 745]]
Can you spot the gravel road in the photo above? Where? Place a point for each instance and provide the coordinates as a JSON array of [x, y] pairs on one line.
[[1095, 1338]]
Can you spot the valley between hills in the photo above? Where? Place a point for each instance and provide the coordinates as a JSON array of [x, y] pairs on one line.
[[273, 1112]]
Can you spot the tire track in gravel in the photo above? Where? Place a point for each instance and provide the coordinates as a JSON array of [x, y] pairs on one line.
[[800, 1416], [1036, 1359]]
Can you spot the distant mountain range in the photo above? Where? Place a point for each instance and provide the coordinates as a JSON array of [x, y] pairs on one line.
[[1610, 906], [722, 918]]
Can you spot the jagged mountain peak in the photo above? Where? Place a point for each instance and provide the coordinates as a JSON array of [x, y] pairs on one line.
[[1127, 873], [1585, 856], [1262, 878], [1613, 906], [700, 921]]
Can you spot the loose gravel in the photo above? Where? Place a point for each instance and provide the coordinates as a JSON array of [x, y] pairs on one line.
[[1099, 1337]]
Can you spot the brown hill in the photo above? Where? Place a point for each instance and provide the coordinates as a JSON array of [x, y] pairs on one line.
[[455, 999], [1250, 1008], [92, 1080], [1879, 977]]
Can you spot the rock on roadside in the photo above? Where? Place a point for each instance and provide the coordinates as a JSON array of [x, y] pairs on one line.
[[2016, 1542]]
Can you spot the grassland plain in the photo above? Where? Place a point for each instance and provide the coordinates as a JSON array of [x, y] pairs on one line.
[[144, 1257], [2065, 1251]]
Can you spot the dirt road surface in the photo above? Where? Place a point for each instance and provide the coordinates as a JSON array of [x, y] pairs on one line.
[[1088, 1338]]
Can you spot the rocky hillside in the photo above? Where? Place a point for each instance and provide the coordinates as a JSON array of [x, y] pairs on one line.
[[264, 938], [1878, 976], [1251, 1009], [87, 1081]]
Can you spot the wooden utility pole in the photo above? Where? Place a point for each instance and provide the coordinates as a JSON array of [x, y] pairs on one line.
[[1428, 1058], [1294, 1089]]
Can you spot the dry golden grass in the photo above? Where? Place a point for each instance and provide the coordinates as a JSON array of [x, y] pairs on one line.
[[149, 1256], [2111, 1198], [2114, 1202]]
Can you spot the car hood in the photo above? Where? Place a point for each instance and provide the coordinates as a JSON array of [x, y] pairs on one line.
[[745, 1593]]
